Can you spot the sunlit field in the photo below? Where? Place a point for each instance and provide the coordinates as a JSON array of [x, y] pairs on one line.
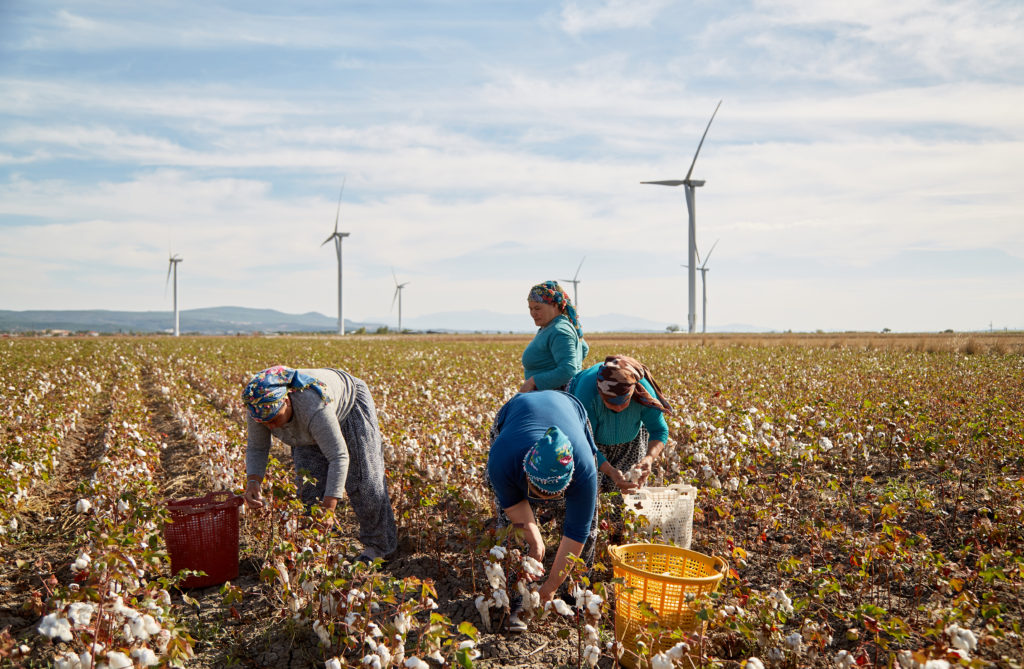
[[866, 491]]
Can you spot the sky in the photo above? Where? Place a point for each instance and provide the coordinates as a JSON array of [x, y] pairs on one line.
[[863, 171]]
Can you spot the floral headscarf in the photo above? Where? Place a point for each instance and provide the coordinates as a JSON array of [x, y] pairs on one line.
[[551, 293], [618, 382], [264, 395], [549, 464]]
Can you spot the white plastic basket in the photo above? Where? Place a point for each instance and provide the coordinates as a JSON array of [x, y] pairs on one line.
[[669, 509]]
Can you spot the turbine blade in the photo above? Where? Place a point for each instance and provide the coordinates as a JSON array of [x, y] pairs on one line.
[[394, 277], [393, 299], [338, 215], [671, 182], [327, 240], [170, 264], [702, 141], [709, 252], [576, 276]]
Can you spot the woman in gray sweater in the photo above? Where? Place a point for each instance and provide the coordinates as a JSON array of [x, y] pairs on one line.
[[328, 418]]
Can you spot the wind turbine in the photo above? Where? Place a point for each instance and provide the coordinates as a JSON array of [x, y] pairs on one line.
[[691, 205], [575, 280], [337, 237], [172, 265], [703, 269], [398, 296]]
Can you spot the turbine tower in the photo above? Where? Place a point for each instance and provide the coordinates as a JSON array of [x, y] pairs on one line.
[[172, 265], [691, 205], [337, 237], [575, 280], [398, 296], [703, 269]]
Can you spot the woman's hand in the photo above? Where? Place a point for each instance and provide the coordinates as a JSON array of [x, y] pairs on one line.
[[328, 504], [529, 385], [253, 498], [621, 482], [645, 465], [547, 592]]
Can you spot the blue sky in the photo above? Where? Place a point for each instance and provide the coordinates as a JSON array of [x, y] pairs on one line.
[[863, 171]]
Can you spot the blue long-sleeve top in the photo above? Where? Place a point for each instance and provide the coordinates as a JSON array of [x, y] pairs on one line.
[[520, 423], [612, 428], [554, 355]]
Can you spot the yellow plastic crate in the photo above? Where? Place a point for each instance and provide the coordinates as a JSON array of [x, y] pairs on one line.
[[666, 578]]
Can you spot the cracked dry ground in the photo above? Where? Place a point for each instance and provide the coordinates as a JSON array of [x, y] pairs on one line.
[[254, 632]]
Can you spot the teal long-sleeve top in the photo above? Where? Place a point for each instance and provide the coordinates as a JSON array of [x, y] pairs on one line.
[[612, 428], [554, 355]]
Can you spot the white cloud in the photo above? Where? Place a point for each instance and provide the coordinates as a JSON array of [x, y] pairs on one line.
[[580, 16]]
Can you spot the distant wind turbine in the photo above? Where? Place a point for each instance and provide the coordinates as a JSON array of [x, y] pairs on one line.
[[575, 280], [337, 237], [703, 269], [398, 296], [172, 266], [691, 205]]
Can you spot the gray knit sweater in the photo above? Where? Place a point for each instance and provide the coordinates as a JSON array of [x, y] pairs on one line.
[[313, 423]]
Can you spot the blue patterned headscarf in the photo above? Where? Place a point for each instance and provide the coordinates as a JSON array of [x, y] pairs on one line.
[[549, 463], [264, 395], [551, 293]]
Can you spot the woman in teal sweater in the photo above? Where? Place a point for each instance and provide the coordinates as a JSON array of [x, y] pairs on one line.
[[626, 411], [557, 351]]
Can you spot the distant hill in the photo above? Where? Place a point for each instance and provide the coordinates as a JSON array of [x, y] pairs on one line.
[[242, 320], [211, 320], [482, 320]]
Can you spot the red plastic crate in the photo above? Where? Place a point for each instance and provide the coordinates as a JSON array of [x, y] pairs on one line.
[[203, 535]]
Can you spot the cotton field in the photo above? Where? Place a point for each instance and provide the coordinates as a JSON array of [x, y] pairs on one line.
[[869, 503]]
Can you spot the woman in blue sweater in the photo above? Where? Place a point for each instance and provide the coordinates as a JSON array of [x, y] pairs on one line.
[[627, 413], [543, 458], [557, 351]]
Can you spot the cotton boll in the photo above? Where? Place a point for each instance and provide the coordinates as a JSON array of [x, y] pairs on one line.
[[67, 660], [82, 563], [677, 651], [794, 641], [961, 639], [844, 660], [322, 633], [469, 646], [83, 506], [415, 663], [55, 627], [80, 613], [117, 660], [145, 657], [591, 654], [483, 606], [498, 552], [661, 661], [753, 663], [495, 575], [403, 623], [333, 663], [533, 567], [559, 606]]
